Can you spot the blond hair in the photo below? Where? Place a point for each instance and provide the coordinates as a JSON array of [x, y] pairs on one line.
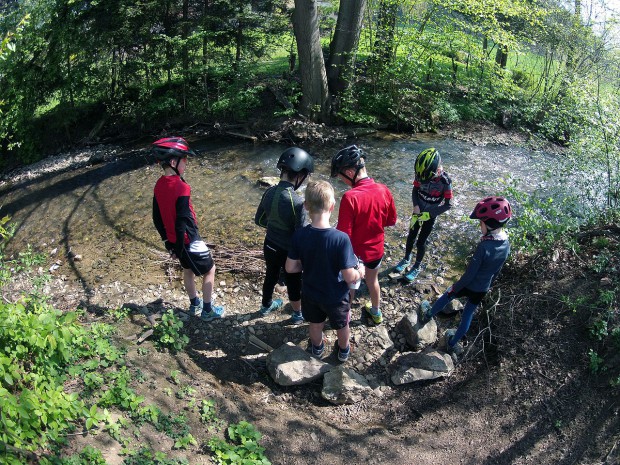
[[319, 196]]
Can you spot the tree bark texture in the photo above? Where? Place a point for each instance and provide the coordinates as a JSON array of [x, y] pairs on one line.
[[315, 95], [344, 44]]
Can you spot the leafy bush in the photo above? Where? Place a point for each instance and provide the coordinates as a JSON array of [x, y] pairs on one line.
[[244, 449], [168, 334]]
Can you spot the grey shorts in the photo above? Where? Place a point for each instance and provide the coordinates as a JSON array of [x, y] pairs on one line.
[[199, 262]]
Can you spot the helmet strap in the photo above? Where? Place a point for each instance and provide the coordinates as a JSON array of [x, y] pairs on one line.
[[298, 181]]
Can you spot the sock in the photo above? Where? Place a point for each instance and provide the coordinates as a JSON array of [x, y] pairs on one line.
[[345, 351], [206, 307], [194, 301], [374, 310], [415, 266], [319, 347]]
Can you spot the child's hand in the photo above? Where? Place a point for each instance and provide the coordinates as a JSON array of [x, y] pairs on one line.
[[416, 210], [362, 270]]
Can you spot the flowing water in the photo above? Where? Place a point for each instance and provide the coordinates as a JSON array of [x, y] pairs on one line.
[[103, 212]]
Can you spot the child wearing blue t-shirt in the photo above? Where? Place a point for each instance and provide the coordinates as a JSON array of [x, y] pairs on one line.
[[489, 257], [325, 257]]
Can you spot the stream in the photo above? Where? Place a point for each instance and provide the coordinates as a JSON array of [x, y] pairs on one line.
[[102, 213]]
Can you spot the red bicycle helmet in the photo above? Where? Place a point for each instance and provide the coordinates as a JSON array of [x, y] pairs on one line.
[[494, 211], [171, 147]]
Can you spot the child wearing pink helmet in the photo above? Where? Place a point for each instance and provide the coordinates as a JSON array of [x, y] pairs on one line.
[[489, 257]]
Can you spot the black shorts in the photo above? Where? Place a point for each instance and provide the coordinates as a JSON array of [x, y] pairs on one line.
[[200, 263], [374, 264], [339, 314], [475, 297]]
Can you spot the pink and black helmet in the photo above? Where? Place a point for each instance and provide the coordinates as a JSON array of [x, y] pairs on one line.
[[494, 211], [171, 147]]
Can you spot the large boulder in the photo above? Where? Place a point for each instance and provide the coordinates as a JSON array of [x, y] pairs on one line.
[[418, 336], [344, 386], [411, 367], [290, 365]]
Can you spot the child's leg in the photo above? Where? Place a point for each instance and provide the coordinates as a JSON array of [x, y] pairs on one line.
[[316, 333], [425, 231], [293, 288], [468, 314], [207, 285], [413, 232], [273, 264], [189, 282], [344, 335], [372, 282], [440, 304]]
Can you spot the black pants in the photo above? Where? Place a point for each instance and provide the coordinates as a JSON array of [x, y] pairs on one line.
[[275, 258], [425, 231]]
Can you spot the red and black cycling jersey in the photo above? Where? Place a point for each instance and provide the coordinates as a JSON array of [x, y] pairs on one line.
[[173, 213], [430, 194]]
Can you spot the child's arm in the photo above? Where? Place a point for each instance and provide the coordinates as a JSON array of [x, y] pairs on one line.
[[158, 221], [414, 197], [259, 217], [345, 218], [293, 266], [351, 275]]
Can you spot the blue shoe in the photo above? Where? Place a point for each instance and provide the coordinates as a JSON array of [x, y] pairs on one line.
[[425, 312], [318, 351], [404, 263], [343, 355], [275, 304], [297, 318], [196, 310], [215, 313], [413, 273]]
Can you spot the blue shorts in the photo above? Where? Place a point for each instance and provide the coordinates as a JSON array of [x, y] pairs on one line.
[[339, 314]]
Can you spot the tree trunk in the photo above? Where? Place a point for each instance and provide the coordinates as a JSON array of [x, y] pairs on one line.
[[501, 57], [386, 24], [315, 95], [344, 44]]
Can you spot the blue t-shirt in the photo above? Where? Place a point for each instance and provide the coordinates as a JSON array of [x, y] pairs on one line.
[[485, 265], [323, 253]]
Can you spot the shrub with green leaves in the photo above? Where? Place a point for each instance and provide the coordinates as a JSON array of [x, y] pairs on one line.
[[243, 448], [37, 346], [167, 333]]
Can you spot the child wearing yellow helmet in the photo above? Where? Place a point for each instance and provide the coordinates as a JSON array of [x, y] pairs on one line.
[[431, 196]]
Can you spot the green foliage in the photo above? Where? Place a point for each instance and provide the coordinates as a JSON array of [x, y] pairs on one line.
[[148, 457], [175, 427], [596, 362], [167, 333], [243, 448], [89, 456]]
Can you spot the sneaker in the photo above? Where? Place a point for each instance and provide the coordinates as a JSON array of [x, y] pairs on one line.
[[343, 355], [196, 310], [275, 304], [318, 351], [297, 318], [425, 312], [216, 312], [377, 318], [404, 263], [413, 273]]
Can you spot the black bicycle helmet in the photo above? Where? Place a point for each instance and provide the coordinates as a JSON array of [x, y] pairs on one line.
[[296, 160], [171, 147], [427, 163], [348, 157]]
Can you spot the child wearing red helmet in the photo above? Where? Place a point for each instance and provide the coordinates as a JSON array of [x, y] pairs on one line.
[[175, 220], [489, 257]]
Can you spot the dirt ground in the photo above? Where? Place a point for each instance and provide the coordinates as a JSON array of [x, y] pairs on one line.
[[523, 393]]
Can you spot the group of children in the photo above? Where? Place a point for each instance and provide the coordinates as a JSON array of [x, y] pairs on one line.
[[322, 266]]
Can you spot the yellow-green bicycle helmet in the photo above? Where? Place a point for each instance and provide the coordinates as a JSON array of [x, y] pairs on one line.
[[427, 163]]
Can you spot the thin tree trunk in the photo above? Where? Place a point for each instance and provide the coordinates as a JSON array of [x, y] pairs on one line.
[[315, 95]]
